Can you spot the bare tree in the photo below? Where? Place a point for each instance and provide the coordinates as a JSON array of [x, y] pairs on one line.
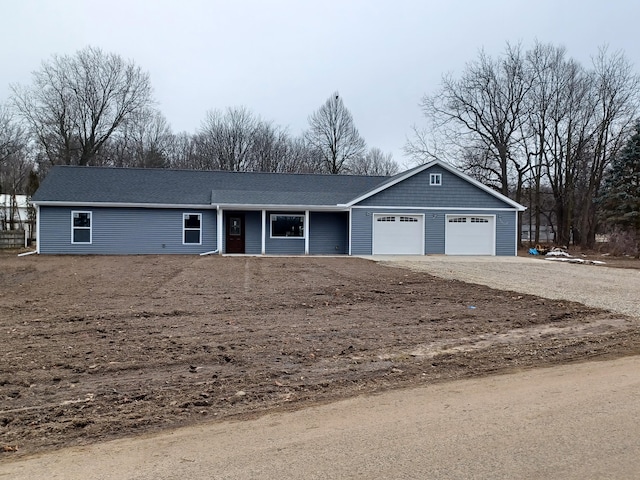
[[300, 157], [427, 144], [143, 142], [77, 103], [16, 166], [15, 161], [268, 151], [375, 162], [616, 90], [12, 135], [181, 151], [545, 64], [567, 143], [578, 121], [333, 134], [226, 138], [539, 120], [482, 111], [556, 127]]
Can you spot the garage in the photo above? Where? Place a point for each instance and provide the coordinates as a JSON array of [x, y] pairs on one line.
[[470, 235], [400, 234]]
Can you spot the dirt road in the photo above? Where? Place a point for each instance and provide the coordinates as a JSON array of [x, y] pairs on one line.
[[573, 422]]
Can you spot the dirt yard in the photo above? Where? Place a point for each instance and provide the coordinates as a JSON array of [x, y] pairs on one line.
[[95, 348]]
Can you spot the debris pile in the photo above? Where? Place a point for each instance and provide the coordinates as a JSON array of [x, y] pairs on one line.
[[561, 255]]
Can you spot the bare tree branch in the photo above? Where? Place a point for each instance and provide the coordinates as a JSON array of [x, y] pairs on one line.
[[333, 133], [375, 162], [77, 103]]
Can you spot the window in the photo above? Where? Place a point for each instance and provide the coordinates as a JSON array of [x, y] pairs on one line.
[[458, 220], [192, 230], [235, 226], [408, 219], [386, 219], [80, 227], [435, 179], [287, 226], [479, 220]]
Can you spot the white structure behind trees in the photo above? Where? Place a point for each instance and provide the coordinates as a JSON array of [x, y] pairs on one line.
[[16, 213]]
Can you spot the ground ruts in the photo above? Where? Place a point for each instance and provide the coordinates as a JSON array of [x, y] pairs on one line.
[[98, 347]]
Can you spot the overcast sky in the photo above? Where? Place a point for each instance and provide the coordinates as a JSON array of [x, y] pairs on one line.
[[283, 58]]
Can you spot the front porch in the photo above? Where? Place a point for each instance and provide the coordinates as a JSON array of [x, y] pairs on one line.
[[282, 232]]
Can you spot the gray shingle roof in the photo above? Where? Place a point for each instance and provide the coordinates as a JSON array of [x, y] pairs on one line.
[[71, 184]]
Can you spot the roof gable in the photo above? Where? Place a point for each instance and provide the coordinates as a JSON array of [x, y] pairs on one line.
[[438, 166]]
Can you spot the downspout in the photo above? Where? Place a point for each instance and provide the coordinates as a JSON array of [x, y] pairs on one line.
[[38, 229]]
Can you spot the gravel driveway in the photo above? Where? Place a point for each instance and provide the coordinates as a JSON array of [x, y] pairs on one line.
[[614, 289]]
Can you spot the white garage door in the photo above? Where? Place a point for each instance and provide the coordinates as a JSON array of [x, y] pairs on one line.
[[470, 235], [398, 234]]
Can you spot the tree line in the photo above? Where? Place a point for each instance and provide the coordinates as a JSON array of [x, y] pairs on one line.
[[95, 108], [539, 127]]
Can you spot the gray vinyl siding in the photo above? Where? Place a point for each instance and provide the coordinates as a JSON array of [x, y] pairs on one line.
[[253, 233], [286, 245], [361, 231], [434, 232], [125, 231], [329, 233], [506, 233], [434, 220], [454, 192]]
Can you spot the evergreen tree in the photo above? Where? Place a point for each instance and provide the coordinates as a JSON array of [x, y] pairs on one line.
[[620, 202]]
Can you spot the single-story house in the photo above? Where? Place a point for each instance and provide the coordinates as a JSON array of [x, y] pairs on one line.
[[430, 209]]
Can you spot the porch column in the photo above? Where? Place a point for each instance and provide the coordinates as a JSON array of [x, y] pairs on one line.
[[349, 239], [263, 248], [220, 228], [306, 232]]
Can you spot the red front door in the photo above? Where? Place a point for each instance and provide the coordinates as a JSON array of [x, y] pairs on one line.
[[235, 233]]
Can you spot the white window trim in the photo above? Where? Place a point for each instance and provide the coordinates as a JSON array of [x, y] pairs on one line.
[[185, 229], [304, 222], [437, 177], [90, 227]]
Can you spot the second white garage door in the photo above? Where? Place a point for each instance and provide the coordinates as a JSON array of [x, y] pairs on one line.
[[470, 235], [398, 234]]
